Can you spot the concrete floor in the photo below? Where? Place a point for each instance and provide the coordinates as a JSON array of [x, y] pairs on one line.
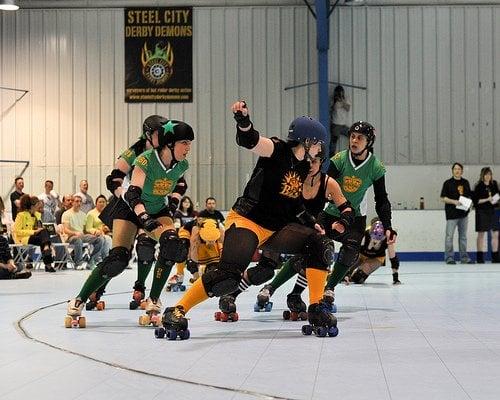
[[436, 336]]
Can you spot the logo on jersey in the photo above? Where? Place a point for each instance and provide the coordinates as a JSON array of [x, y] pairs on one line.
[[162, 187], [142, 161], [460, 189], [291, 185], [351, 184]]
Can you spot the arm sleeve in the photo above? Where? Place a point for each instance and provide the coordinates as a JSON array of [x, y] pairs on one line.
[[382, 204], [444, 190], [141, 162]]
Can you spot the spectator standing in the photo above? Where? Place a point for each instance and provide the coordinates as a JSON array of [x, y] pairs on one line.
[[87, 201], [484, 191], [210, 211], [451, 191], [340, 121], [16, 195], [51, 202]]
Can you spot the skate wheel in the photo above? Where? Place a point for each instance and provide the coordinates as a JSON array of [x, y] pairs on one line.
[[307, 330], [217, 315], [184, 335], [171, 334], [137, 296], [144, 320], [235, 317], [68, 321], [133, 305], [160, 333], [143, 304], [333, 308], [321, 331], [224, 317], [82, 322], [286, 315], [269, 307], [89, 306], [333, 331], [256, 307], [294, 316], [183, 288], [101, 306], [303, 316]]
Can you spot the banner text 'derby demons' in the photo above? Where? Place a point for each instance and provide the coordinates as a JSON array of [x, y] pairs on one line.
[[159, 55]]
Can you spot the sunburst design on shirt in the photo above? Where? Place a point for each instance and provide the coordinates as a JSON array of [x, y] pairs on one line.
[[291, 185]]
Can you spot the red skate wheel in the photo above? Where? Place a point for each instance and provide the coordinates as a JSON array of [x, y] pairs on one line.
[[224, 317], [294, 316], [303, 316], [235, 317], [217, 315], [286, 315]]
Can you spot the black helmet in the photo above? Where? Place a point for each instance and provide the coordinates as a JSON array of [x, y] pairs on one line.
[[151, 124], [365, 129], [173, 131], [306, 129]]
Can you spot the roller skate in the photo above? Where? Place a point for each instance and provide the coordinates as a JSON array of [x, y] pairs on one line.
[[227, 311], [329, 299], [95, 302], [263, 303], [74, 317], [138, 297], [321, 321], [153, 311], [174, 323], [297, 308], [174, 284]]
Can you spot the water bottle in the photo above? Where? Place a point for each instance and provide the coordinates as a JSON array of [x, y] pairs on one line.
[[422, 205]]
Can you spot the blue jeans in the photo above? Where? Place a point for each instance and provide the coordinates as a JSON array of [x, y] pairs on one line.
[[451, 224]]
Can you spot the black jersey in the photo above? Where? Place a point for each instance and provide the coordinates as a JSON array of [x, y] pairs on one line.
[[373, 248], [273, 196], [315, 205]]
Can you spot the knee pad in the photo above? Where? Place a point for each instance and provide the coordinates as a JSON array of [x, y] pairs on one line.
[[221, 280], [145, 248], [358, 276], [114, 264], [298, 263], [172, 248], [262, 272], [319, 251], [192, 266], [349, 252]]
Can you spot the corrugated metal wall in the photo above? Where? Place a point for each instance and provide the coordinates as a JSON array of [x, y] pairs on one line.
[[430, 73]]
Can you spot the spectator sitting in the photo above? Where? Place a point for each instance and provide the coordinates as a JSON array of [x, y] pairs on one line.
[[67, 202], [74, 222], [28, 229], [50, 202], [5, 220], [95, 226], [8, 269], [211, 212], [185, 213], [15, 196], [87, 201]]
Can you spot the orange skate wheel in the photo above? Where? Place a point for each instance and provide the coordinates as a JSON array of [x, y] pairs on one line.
[[82, 322], [68, 321], [143, 304], [144, 320]]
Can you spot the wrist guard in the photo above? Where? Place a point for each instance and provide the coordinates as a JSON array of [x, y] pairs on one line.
[[133, 196], [248, 139]]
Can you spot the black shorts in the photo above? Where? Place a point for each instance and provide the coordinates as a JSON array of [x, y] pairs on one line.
[[485, 220], [117, 208]]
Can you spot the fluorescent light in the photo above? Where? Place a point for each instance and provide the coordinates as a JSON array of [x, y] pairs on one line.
[[8, 5]]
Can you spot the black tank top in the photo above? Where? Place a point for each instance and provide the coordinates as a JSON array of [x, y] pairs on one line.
[[315, 205]]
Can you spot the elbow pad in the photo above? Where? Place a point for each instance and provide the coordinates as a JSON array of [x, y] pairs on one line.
[[133, 196], [181, 186], [248, 139], [114, 180]]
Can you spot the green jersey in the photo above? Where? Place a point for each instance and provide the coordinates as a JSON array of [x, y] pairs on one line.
[[160, 180], [355, 180]]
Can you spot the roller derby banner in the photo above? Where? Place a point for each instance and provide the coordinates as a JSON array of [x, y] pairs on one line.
[[159, 55]]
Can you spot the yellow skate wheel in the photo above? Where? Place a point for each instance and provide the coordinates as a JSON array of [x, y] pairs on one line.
[[144, 303], [144, 320], [82, 322], [67, 321]]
